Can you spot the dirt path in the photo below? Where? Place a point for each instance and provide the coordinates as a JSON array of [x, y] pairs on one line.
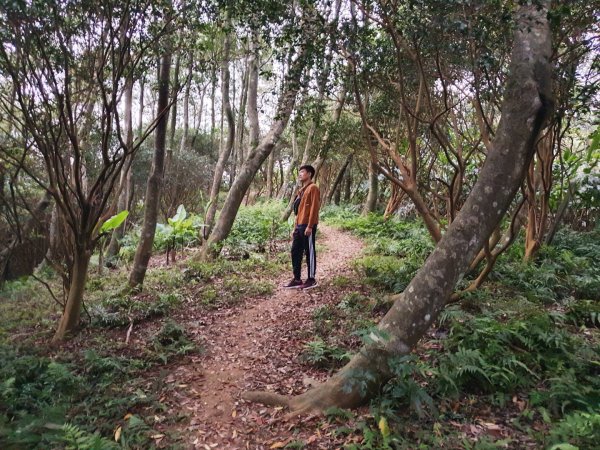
[[256, 346]]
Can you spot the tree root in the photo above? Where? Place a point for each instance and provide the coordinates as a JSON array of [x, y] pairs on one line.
[[316, 400], [266, 398]]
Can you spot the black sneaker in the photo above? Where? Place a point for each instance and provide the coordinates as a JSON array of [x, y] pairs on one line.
[[294, 284], [309, 284]]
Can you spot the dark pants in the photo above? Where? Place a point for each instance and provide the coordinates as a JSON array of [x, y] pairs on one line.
[[304, 245]]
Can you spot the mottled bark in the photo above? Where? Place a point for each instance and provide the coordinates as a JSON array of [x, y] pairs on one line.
[[270, 167], [526, 106], [155, 181], [239, 139]]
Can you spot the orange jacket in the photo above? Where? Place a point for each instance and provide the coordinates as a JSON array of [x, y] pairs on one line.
[[310, 202]]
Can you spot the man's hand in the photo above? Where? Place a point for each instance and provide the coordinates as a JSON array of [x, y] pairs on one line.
[[308, 231]]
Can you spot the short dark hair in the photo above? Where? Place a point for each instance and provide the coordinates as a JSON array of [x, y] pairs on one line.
[[310, 169]]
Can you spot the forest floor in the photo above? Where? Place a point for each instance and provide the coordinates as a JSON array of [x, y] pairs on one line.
[[515, 365], [255, 345]]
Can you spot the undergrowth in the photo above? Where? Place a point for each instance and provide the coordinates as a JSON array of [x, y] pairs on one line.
[[516, 363], [107, 389]]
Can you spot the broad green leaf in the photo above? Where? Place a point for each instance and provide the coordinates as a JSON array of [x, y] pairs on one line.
[[114, 222], [180, 215]]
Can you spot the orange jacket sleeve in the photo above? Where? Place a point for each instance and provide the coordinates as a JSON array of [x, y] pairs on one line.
[[315, 204]]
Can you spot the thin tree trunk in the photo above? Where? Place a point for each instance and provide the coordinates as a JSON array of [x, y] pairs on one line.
[[185, 138], [173, 114], [283, 192], [213, 88], [348, 184], [326, 143], [338, 178], [155, 181], [226, 150], [113, 246], [70, 317], [253, 124], [526, 106], [270, 166], [140, 132], [239, 140], [255, 159], [560, 213], [371, 202]]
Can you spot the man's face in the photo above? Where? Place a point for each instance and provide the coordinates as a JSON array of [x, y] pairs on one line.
[[303, 175]]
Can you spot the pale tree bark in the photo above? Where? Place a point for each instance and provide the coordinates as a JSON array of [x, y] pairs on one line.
[[140, 134], [253, 124], [256, 158], [228, 146], [526, 106], [270, 166], [326, 142], [113, 246], [155, 181], [213, 88], [288, 172], [238, 159], [560, 213], [173, 114], [371, 201], [185, 138]]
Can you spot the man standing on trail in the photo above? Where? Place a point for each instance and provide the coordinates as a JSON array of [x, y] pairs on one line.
[[306, 209]]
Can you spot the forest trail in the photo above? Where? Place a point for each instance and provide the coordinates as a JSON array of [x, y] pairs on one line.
[[256, 345]]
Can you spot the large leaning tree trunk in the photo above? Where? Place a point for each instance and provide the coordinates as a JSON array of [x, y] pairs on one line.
[[256, 158], [526, 106], [155, 181]]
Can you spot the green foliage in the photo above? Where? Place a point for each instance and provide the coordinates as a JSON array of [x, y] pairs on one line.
[[529, 333], [319, 354], [407, 387], [119, 311], [74, 438], [396, 249], [181, 230], [171, 340], [387, 272], [562, 270], [256, 228], [577, 430], [114, 222], [584, 313]]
